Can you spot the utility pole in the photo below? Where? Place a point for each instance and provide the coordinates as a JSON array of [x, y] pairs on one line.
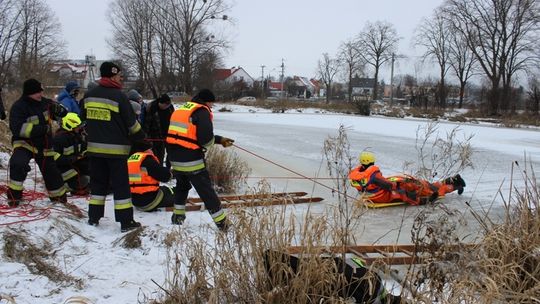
[[262, 81], [392, 80], [282, 78]]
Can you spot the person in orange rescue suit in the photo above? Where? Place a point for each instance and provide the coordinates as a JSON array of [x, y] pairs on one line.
[[70, 144], [145, 173], [30, 123], [368, 179], [111, 127], [190, 134]]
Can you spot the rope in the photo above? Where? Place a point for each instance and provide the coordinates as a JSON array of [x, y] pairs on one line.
[[294, 172]]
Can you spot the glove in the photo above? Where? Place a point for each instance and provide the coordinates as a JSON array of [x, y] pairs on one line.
[[226, 142]]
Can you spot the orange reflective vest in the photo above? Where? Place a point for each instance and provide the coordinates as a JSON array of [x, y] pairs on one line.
[[139, 180], [181, 129], [361, 180]]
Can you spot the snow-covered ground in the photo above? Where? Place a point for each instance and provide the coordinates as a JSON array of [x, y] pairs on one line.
[[112, 274]]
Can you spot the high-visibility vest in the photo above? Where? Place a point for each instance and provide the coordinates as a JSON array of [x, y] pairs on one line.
[[139, 180], [361, 180], [181, 130]]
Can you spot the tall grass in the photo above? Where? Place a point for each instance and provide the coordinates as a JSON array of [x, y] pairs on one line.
[[503, 266], [228, 172]]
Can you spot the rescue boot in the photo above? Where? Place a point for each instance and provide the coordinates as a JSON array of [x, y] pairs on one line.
[[80, 192], [458, 183], [223, 225], [13, 198], [178, 219], [127, 226], [93, 222], [13, 203], [62, 199]]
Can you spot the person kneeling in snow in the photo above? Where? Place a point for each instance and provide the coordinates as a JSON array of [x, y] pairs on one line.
[[145, 173], [70, 144], [367, 178]]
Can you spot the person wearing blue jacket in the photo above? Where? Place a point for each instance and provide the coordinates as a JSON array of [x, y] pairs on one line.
[[68, 97]]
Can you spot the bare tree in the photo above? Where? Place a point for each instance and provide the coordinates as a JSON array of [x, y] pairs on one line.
[[462, 60], [10, 32], [189, 37], [352, 61], [40, 42], [29, 39], [378, 41], [327, 69], [533, 98], [499, 33], [135, 39], [433, 35]]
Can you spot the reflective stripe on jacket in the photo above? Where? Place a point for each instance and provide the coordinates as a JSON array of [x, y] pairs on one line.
[[362, 179], [182, 131], [139, 180]]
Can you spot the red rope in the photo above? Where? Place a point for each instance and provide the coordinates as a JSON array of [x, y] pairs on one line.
[[292, 171]]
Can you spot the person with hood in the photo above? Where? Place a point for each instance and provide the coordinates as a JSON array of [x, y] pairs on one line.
[[145, 174], [156, 125], [111, 128], [68, 97], [368, 179], [190, 134], [136, 100], [31, 117]]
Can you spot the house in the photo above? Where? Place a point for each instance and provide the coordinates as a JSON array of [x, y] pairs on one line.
[[231, 76], [303, 87], [275, 89], [82, 71], [362, 86]]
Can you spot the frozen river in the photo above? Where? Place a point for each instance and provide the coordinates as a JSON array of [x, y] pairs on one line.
[[295, 141]]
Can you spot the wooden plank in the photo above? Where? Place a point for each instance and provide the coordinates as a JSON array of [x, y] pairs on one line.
[[257, 203], [252, 196], [388, 254]]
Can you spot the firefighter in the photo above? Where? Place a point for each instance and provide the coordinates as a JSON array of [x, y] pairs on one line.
[[30, 123], [145, 173], [111, 125], [368, 178], [189, 135], [70, 144]]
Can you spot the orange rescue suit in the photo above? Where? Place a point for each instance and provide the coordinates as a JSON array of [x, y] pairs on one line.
[[139, 180], [363, 179], [182, 131]]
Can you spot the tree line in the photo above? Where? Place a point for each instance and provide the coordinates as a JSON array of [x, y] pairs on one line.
[[495, 40]]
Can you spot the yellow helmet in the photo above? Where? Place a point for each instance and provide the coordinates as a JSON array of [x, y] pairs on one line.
[[70, 121], [366, 158]]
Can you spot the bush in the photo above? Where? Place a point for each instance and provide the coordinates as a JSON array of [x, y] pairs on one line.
[[362, 107], [227, 171]]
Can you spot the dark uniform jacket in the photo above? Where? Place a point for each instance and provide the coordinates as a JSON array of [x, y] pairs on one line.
[[156, 121], [30, 123], [110, 123], [70, 146], [205, 138]]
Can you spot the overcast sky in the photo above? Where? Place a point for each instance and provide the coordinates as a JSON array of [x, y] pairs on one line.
[[264, 32]]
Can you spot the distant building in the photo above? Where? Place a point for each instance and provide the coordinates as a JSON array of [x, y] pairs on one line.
[[362, 86], [303, 87], [229, 77], [81, 70]]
